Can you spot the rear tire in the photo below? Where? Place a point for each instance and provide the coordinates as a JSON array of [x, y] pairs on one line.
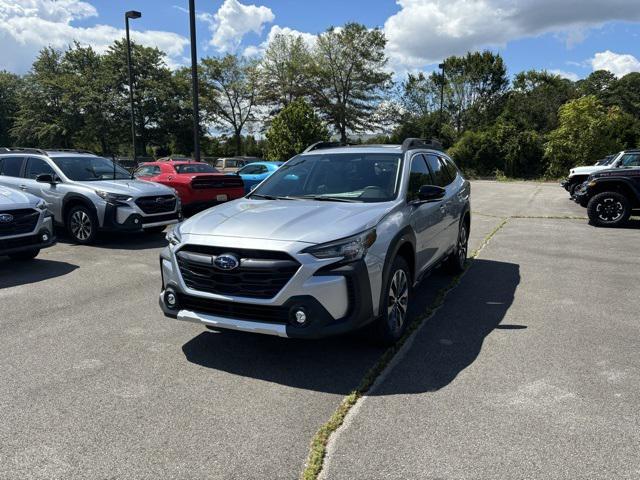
[[82, 225], [393, 319], [609, 209], [26, 255], [572, 188], [458, 259]]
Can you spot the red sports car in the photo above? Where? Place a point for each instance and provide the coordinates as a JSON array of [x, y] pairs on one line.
[[198, 184]]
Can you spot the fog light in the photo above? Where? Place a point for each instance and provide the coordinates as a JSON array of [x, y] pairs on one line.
[[299, 316], [136, 221], [170, 299], [44, 237]]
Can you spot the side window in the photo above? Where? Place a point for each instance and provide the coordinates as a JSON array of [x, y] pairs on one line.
[[418, 176], [142, 172], [219, 163], [37, 166], [262, 169], [440, 175], [155, 171], [631, 160], [11, 166], [450, 167], [249, 170]]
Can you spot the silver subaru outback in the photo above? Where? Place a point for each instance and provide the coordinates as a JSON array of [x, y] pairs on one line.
[[26, 226], [87, 193], [331, 242]]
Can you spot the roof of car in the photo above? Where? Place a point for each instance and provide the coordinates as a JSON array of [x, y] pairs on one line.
[[175, 162]]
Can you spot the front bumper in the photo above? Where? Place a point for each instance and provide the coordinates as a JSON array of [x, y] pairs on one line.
[[127, 219], [44, 237], [320, 296]]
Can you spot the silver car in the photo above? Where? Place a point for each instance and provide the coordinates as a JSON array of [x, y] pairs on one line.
[[26, 226], [332, 241], [87, 193]]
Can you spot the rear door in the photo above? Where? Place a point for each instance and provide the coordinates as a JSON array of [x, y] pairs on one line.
[[11, 170], [426, 217], [449, 205]]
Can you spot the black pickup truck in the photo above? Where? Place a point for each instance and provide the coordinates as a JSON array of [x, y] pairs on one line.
[[611, 196]]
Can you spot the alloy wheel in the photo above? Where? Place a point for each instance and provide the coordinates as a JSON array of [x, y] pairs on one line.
[[609, 210], [81, 225], [463, 245], [398, 300]]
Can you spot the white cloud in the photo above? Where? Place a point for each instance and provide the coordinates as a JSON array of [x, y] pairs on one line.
[[258, 50], [426, 31], [33, 24], [617, 63], [233, 21], [574, 77]]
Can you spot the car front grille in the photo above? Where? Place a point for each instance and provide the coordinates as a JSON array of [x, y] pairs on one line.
[[23, 221], [157, 204], [261, 273], [240, 311], [9, 243], [216, 181]]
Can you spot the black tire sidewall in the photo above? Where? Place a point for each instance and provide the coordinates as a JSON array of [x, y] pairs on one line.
[[384, 334], [94, 225], [597, 199]]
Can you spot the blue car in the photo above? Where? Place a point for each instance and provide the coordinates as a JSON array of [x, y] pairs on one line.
[[256, 172]]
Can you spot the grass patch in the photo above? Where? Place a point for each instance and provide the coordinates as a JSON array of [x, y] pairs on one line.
[[318, 448]]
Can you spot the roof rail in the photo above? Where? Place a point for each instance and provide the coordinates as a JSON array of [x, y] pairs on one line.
[[411, 143], [323, 145], [71, 150], [23, 150]]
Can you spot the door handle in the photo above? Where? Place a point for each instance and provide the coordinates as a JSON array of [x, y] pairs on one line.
[[443, 208], [23, 187]]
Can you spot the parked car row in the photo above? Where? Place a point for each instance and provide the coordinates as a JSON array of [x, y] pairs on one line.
[[610, 192], [86, 193]]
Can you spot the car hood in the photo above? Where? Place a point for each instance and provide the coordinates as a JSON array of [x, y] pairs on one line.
[[10, 198], [588, 169], [288, 220], [136, 188]]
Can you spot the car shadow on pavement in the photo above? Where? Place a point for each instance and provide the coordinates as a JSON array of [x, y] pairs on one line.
[[121, 240], [15, 273], [337, 365], [452, 339]]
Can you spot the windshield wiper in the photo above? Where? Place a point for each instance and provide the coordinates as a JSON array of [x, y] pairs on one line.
[[271, 197], [324, 198]]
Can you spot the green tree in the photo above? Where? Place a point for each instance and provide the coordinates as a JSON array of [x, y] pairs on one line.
[[230, 93], [283, 70], [598, 83], [10, 85], [347, 76], [587, 131], [294, 129], [625, 93]]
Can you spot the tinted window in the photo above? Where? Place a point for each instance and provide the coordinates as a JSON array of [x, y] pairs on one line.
[[630, 160], [418, 176], [37, 166], [195, 168], [440, 175], [147, 171], [358, 177], [452, 170], [249, 170], [10, 166], [85, 169]]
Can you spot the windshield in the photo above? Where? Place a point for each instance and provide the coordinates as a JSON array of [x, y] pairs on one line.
[[195, 168], [87, 169], [356, 177]]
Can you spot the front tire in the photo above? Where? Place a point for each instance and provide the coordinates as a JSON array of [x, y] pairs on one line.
[[393, 319], [608, 209], [25, 256], [82, 225]]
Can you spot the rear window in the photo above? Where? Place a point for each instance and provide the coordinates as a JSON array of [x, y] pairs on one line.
[[195, 168], [11, 166]]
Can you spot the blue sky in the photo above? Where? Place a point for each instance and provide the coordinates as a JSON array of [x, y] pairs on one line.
[[571, 37]]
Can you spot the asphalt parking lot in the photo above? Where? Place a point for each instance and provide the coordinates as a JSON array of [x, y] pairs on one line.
[[530, 369]]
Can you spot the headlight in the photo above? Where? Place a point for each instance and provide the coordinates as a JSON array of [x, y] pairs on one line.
[[41, 205], [349, 249], [173, 236], [114, 198]]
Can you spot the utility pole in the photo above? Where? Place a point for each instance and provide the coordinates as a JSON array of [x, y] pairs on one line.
[[442, 80], [133, 15], [194, 81]]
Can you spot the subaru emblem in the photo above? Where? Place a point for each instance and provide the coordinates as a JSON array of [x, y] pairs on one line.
[[6, 218], [227, 261]]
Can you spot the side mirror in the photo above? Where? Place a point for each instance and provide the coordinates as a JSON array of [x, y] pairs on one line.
[[45, 178], [431, 193]]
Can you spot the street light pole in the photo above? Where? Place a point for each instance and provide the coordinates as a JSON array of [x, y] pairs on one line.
[[194, 81], [133, 15], [441, 66]]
